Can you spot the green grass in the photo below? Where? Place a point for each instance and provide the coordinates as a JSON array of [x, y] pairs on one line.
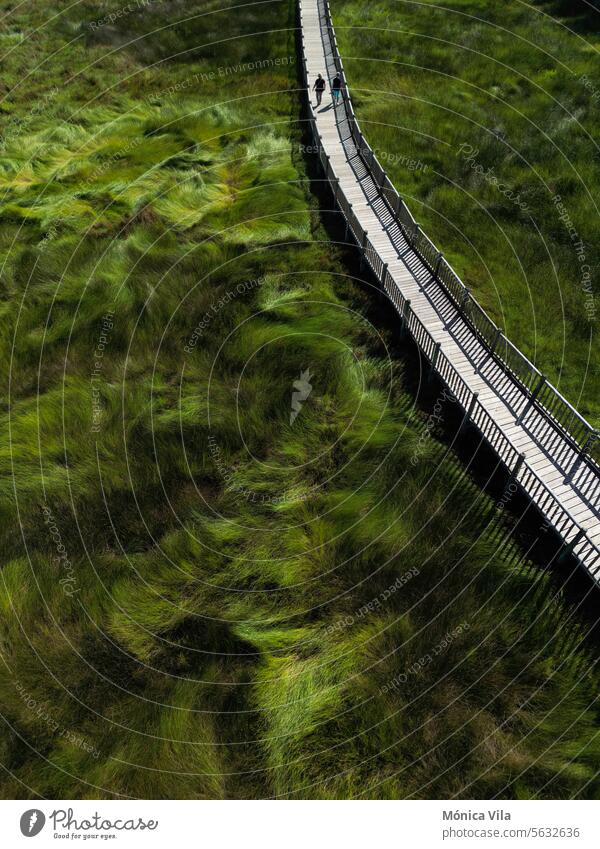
[[199, 598], [473, 92]]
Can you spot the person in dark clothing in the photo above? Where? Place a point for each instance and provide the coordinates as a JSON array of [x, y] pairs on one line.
[[319, 87], [336, 88]]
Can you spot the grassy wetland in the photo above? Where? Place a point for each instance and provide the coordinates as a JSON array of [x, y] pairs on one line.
[[485, 115], [238, 559]]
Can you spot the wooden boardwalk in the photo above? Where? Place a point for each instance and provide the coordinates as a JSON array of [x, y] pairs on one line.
[[545, 444]]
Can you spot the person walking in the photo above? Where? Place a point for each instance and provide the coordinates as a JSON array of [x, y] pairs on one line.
[[336, 89], [319, 87]]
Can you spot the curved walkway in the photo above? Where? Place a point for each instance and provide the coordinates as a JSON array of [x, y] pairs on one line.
[[544, 443]]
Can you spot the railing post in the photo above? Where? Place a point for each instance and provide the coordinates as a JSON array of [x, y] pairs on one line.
[[592, 437], [463, 299], [506, 493], [438, 262], [517, 467], [384, 272], [434, 359], [469, 413], [568, 548], [495, 340], [336, 187], [363, 248], [382, 181], [532, 398], [398, 206], [413, 239], [474, 398], [348, 222], [404, 316]]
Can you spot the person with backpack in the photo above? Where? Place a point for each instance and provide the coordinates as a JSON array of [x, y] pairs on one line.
[[319, 87], [336, 89]]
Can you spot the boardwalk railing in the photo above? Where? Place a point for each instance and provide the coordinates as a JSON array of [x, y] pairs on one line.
[[559, 413], [538, 391]]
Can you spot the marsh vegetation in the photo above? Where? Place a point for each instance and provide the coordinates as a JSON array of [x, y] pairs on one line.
[[201, 597]]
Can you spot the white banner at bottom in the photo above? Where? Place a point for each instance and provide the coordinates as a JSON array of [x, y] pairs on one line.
[[298, 824]]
